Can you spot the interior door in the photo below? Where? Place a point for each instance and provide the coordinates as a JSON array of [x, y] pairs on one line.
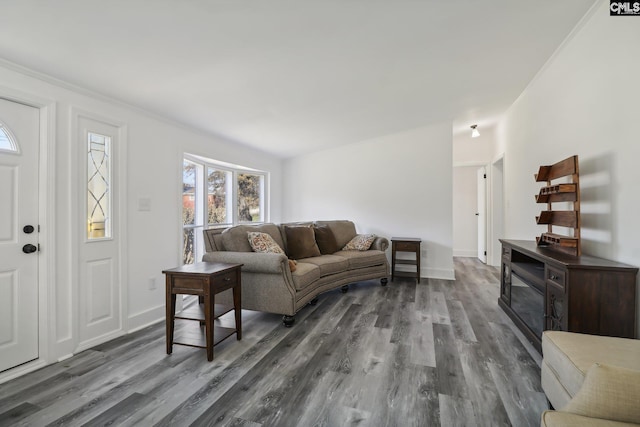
[[19, 142], [482, 214]]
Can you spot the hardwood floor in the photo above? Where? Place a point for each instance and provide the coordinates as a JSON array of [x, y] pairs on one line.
[[438, 353]]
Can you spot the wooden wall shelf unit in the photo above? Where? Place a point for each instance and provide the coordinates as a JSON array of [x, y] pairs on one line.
[[560, 192], [542, 289]]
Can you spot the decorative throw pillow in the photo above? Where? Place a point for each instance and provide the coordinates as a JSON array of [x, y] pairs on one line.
[[362, 242], [301, 242], [262, 242], [325, 239], [608, 392]]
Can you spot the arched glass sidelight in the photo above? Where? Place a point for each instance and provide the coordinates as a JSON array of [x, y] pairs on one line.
[[7, 141]]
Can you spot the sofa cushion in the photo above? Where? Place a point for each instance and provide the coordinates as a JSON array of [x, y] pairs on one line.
[[264, 243], [360, 242], [212, 239], [325, 239], [569, 355], [305, 275], [329, 264], [234, 239], [342, 230], [301, 242], [608, 392], [363, 259]]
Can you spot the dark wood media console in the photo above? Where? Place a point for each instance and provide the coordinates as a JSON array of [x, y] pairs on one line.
[[544, 289]]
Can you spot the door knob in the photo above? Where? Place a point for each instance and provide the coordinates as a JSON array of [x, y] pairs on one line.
[[29, 248]]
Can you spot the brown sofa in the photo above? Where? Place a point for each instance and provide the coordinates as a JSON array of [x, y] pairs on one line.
[[269, 285]]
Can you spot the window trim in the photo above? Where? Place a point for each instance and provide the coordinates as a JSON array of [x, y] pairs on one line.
[[201, 204]]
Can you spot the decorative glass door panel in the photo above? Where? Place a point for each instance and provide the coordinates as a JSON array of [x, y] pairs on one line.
[[98, 186]]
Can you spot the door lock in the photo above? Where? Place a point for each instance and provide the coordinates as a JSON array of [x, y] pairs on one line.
[[28, 229], [29, 248]]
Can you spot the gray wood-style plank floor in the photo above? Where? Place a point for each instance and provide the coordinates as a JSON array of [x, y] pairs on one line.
[[438, 353]]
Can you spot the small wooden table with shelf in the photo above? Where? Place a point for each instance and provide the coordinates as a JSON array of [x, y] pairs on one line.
[[204, 279], [405, 244]]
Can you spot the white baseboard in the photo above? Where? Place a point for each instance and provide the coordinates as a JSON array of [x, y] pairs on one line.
[[18, 371], [429, 273], [438, 273], [465, 253], [64, 348], [98, 340], [141, 320], [65, 357]]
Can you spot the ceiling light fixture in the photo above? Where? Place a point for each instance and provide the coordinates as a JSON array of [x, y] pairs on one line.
[[474, 131]]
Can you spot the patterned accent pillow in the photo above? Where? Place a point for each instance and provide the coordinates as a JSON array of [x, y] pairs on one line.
[[362, 242], [262, 242]]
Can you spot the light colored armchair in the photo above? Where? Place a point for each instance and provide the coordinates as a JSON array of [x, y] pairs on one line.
[[590, 380]]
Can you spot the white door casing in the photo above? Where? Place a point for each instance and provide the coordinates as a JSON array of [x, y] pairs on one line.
[[19, 195], [100, 307], [482, 214], [496, 212]]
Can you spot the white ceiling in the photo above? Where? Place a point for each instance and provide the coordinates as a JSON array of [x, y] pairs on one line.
[[295, 76]]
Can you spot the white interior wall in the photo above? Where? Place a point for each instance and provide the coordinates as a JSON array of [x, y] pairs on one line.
[[465, 206], [154, 151], [584, 102], [396, 185]]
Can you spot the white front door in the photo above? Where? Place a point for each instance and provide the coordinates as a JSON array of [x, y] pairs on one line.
[[482, 214], [19, 150]]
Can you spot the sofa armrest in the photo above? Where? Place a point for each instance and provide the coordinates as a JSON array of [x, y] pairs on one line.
[[565, 419], [380, 244], [253, 262]]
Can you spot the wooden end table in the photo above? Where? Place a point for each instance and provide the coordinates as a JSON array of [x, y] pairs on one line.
[[204, 279], [405, 244]]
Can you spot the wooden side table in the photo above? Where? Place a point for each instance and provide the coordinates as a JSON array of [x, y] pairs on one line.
[[405, 244], [204, 279]]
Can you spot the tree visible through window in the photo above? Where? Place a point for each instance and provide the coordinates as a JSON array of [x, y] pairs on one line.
[[216, 195], [249, 196], [217, 182]]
